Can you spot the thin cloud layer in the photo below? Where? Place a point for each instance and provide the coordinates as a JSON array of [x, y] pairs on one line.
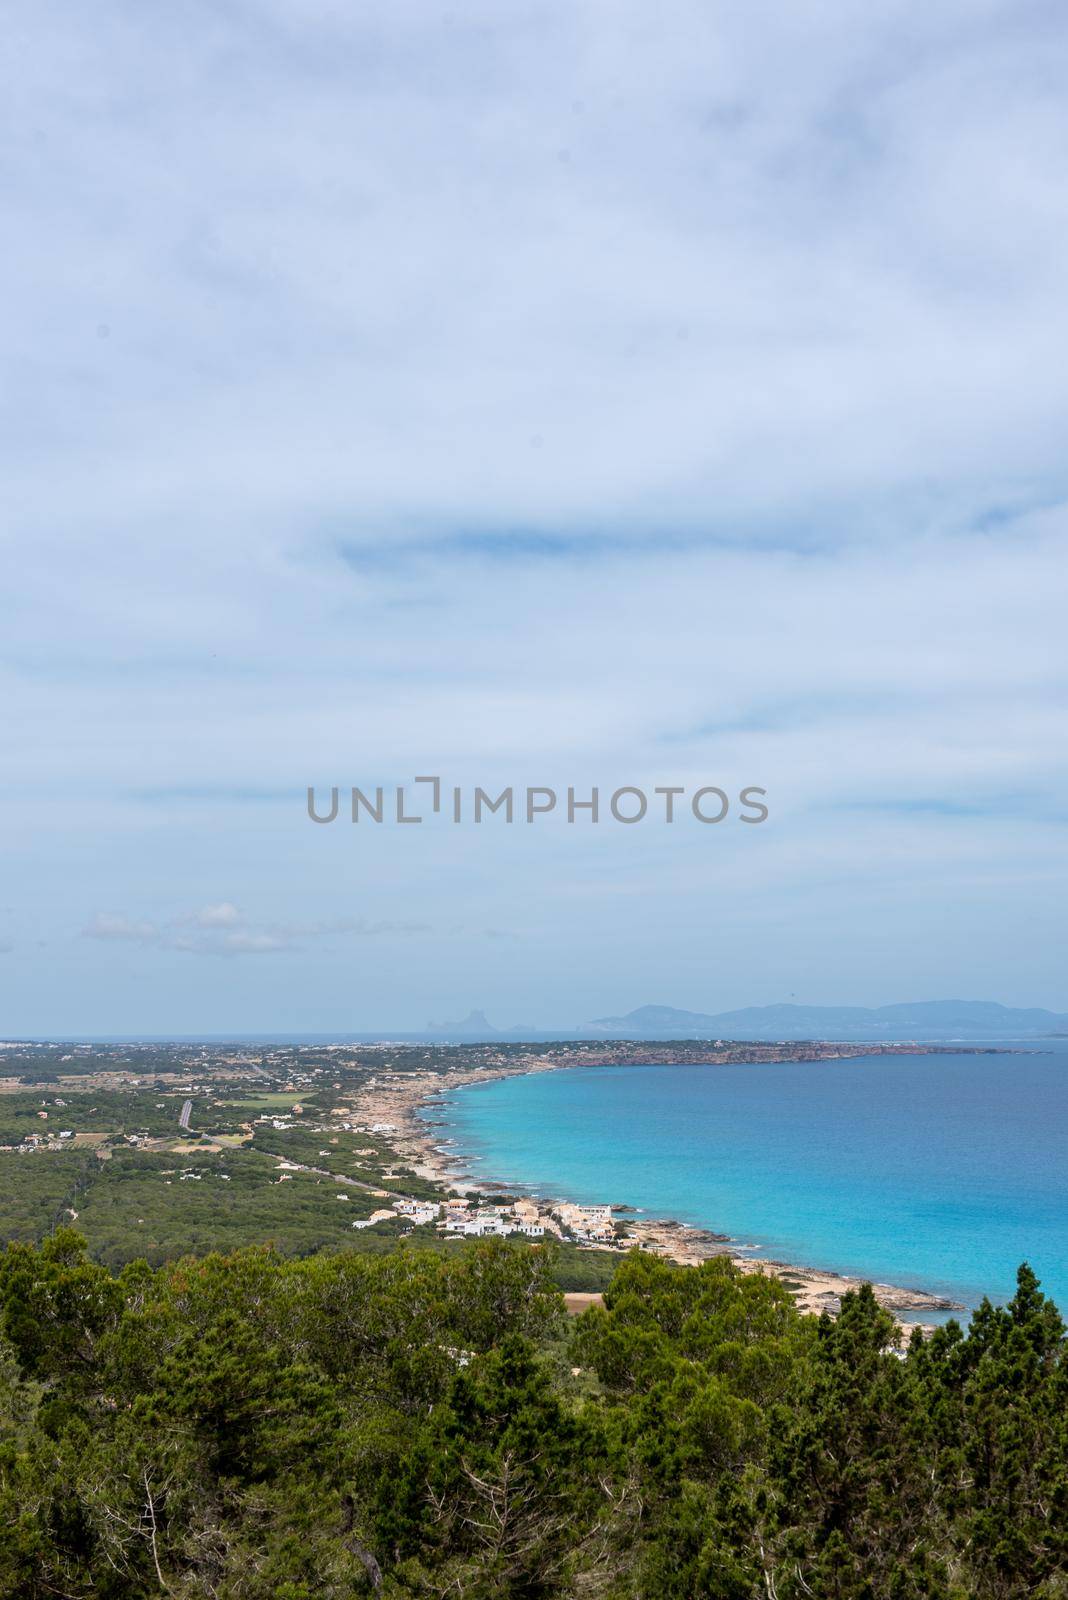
[[729, 271], [222, 930]]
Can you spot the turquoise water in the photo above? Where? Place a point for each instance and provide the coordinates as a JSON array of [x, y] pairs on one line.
[[937, 1172]]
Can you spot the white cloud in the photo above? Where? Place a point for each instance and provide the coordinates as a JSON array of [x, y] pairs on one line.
[[221, 930], [245, 942], [105, 925], [224, 915]]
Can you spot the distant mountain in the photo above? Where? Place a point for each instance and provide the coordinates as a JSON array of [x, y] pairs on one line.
[[474, 1026], [922, 1019]]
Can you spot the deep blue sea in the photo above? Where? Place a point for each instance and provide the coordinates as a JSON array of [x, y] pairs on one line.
[[941, 1172]]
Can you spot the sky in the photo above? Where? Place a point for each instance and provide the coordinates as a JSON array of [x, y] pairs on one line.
[[552, 394]]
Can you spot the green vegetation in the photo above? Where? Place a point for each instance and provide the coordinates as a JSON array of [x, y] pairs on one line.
[[581, 1269], [158, 1205], [251, 1428], [322, 1412], [138, 1206], [346, 1153], [101, 1111], [38, 1191], [164, 1206], [572, 1268]]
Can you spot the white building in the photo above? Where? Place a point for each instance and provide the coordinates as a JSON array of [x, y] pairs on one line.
[[425, 1210], [593, 1221], [485, 1227]]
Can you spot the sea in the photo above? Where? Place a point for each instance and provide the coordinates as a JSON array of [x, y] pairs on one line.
[[930, 1171]]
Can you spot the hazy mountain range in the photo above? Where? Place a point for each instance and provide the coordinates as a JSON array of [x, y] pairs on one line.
[[933, 1020], [922, 1019]]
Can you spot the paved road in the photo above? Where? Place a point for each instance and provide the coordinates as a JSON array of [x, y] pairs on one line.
[[183, 1120]]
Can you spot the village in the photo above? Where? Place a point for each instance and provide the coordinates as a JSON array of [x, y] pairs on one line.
[[471, 1218], [468, 1215]]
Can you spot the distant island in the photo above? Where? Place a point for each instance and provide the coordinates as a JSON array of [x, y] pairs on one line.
[[920, 1020], [916, 1022]]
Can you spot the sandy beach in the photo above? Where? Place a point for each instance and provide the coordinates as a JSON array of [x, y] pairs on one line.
[[391, 1102]]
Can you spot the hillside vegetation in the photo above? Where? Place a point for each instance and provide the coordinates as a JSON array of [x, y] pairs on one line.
[[424, 1425]]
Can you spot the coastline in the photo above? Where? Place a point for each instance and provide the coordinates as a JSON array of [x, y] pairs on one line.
[[394, 1103]]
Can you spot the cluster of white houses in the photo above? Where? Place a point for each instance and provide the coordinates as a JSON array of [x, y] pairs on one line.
[[587, 1222], [460, 1216], [483, 1222]]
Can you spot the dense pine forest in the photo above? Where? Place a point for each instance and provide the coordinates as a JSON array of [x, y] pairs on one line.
[[420, 1425]]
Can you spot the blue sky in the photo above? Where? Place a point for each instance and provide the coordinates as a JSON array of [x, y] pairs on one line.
[[554, 393]]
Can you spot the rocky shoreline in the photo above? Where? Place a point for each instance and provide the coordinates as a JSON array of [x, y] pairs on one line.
[[391, 1102]]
